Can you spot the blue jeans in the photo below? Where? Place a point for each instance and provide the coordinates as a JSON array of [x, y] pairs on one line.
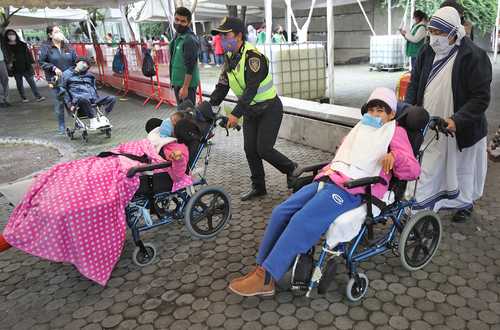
[[219, 59], [59, 109], [298, 223], [206, 58]]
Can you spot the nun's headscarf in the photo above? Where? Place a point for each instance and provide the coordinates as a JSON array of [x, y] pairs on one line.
[[447, 20]]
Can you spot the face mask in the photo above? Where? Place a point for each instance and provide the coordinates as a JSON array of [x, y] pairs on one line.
[[372, 121], [166, 128], [12, 37], [180, 28], [440, 45], [81, 66], [58, 36], [229, 45]]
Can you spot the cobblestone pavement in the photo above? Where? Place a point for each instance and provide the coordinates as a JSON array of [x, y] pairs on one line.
[[186, 287]]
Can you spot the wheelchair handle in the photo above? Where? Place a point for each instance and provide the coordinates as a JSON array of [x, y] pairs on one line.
[[439, 125]]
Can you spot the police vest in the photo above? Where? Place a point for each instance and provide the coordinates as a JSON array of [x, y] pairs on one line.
[[236, 77]]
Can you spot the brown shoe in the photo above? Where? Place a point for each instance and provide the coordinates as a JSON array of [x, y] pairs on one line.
[[253, 285], [244, 277]]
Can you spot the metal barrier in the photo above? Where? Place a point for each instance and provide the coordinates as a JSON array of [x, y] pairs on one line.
[[157, 88]]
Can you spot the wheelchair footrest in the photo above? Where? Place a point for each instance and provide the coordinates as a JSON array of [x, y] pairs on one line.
[[302, 271]]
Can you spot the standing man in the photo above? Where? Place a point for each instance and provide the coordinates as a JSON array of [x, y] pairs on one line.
[[246, 73], [416, 38], [184, 74], [4, 80], [451, 79]]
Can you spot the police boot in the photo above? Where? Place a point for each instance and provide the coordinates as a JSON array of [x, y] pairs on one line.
[[256, 191]]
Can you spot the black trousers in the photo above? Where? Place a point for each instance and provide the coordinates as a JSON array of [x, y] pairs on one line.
[[260, 130], [191, 94]]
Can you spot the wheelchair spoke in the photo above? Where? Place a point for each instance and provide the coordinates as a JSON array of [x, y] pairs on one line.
[[210, 222]]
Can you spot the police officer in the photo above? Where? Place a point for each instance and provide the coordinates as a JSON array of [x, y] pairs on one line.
[[246, 73]]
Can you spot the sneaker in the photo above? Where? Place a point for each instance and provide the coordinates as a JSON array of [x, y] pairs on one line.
[[40, 98], [254, 285], [462, 216], [94, 124], [25, 100]]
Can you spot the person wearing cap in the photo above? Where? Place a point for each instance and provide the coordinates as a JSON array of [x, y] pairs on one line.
[[246, 73], [184, 72], [452, 80], [80, 91], [375, 146]]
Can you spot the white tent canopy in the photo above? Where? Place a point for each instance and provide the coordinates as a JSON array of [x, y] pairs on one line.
[[66, 3], [41, 17]]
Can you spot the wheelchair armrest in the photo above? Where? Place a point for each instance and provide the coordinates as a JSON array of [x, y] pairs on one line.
[[138, 169], [311, 168], [363, 182]]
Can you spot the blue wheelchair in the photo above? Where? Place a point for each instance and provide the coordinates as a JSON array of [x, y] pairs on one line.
[[414, 237], [204, 211]]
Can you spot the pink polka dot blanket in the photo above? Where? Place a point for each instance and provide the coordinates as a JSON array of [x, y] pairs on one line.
[[74, 212]]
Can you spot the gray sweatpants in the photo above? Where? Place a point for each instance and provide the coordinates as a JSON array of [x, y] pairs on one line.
[[4, 82]]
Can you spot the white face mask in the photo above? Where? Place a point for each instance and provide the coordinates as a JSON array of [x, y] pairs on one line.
[[58, 36], [440, 45], [81, 66], [12, 37]]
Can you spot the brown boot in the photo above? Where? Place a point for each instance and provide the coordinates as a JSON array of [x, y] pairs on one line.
[[254, 284], [244, 277]]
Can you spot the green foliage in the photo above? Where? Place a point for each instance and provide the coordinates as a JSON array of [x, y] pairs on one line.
[[151, 29], [481, 13]]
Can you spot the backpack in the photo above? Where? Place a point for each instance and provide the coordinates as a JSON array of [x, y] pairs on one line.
[[148, 65], [118, 65]]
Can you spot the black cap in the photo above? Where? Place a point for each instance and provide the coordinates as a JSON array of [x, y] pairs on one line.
[[229, 24]]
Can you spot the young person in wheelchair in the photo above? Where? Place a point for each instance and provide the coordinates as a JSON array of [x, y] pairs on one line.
[[376, 146]]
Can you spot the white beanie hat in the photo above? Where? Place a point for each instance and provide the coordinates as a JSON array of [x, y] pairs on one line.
[[385, 95]]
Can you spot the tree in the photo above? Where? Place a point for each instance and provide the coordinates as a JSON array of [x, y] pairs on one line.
[[5, 16], [482, 13], [95, 16]]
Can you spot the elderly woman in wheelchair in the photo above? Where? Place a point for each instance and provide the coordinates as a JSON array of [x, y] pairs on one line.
[[340, 200]]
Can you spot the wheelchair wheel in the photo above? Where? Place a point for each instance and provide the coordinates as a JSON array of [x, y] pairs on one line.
[[327, 277], [420, 240], [108, 132], [70, 133], [144, 258], [85, 136], [357, 287], [207, 212]]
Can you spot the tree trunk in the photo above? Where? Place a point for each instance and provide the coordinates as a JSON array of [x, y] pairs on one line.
[[243, 14], [5, 18], [232, 10]]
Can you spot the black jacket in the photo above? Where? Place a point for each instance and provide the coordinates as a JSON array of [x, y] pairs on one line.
[[471, 83], [19, 58]]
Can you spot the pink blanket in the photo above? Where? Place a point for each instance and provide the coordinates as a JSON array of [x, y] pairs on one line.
[[74, 212]]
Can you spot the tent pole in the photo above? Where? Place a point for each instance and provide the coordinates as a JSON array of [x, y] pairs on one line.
[[495, 42], [366, 17], [90, 30], [389, 17], [126, 32], [194, 24], [268, 9], [289, 23], [330, 49]]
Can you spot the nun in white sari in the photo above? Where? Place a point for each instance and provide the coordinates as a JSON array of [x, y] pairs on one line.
[[444, 82]]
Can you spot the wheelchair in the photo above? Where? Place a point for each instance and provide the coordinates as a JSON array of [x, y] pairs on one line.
[[80, 121], [414, 237], [204, 211]]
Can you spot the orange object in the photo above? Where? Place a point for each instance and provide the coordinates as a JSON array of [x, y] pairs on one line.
[[4, 245], [403, 84]]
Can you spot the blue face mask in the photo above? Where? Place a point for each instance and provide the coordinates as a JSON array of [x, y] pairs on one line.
[[229, 45], [166, 128], [372, 121]]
